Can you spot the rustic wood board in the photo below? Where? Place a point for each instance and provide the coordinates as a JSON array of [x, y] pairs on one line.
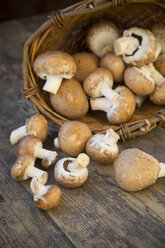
[[99, 214]]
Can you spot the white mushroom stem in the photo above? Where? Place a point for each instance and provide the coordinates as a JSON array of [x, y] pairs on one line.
[[80, 162], [106, 48], [111, 137], [155, 74], [18, 134], [45, 154], [162, 170], [56, 143], [32, 171], [101, 103], [110, 94], [139, 100], [52, 83], [125, 45]]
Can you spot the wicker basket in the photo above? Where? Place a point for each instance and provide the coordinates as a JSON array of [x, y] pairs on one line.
[[66, 30]]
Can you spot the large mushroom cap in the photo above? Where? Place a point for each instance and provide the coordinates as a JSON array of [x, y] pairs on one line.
[[96, 80], [85, 62], [160, 64], [70, 100], [27, 144], [37, 125], [101, 36], [73, 136], [135, 169], [54, 63], [158, 95]]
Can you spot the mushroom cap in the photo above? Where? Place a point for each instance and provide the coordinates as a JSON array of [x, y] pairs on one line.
[[115, 64], [147, 47], [100, 151], [54, 63], [101, 36], [49, 199], [135, 169], [20, 165], [27, 145], [160, 64], [70, 100], [73, 136], [158, 95], [139, 82], [159, 31], [123, 110], [37, 125], [95, 80], [69, 179], [85, 62]]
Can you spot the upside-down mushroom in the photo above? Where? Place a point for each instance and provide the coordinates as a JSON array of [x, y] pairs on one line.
[[135, 170]]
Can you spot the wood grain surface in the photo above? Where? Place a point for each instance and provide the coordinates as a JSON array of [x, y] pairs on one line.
[[98, 214]]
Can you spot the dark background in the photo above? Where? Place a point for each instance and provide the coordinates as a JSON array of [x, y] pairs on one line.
[[13, 9]]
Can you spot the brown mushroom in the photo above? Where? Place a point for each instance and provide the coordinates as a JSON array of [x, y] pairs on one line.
[[72, 137], [45, 197], [158, 95], [70, 100], [101, 36], [36, 125], [33, 146], [115, 64], [159, 32], [119, 112], [160, 64], [53, 66], [135, 170], [103, 147], [85, 62], [72, 172], [24, 168]]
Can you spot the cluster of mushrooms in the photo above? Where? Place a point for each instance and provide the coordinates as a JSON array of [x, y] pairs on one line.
[[117, 75], [133, 169]]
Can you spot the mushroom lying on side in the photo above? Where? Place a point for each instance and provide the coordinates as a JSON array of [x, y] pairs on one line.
[[119, 112], [70, 100], [135, 170], [24, 168], [103, 147], [99, 83], [101, 36], [138, 46], [85, 62], [45, 197], [72, 172], [115, 64], [53, 66], [33, 146], [36, 125], [72, 138]]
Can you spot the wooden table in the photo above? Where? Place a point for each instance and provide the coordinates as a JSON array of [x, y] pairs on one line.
[[99, 214]]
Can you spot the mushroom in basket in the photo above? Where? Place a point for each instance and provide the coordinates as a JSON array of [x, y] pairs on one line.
[[160, 64], [46, 197], [135, 170], [36, 125], [72, 172], [159, 32], [103, 147]]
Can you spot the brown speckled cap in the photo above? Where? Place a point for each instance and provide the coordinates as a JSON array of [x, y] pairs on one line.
[[26, 145], [158, 95]]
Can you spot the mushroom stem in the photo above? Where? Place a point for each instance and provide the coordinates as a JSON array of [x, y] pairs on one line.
[[36, 187], [110, 94], [106, 48], [101, 103], [162, 170], [18, 134], [56, 143], [125, 45], [111, 137], [52, 84], [155, 74], [80, 162], [139, 100], [42, 176], [46, 154]]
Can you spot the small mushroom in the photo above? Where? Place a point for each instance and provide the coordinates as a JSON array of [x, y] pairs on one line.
[[139, 80], [45, 197], [159, 32], [72, 172], [138, 46], [24, 168], [85, 62], [103, 147], [72, 138], [135, 170], [115, 64], [53, 66], [70, 100], [160, 64], [101, 36], [33, 146], [119, 112], [99, 83], [36, 125]]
